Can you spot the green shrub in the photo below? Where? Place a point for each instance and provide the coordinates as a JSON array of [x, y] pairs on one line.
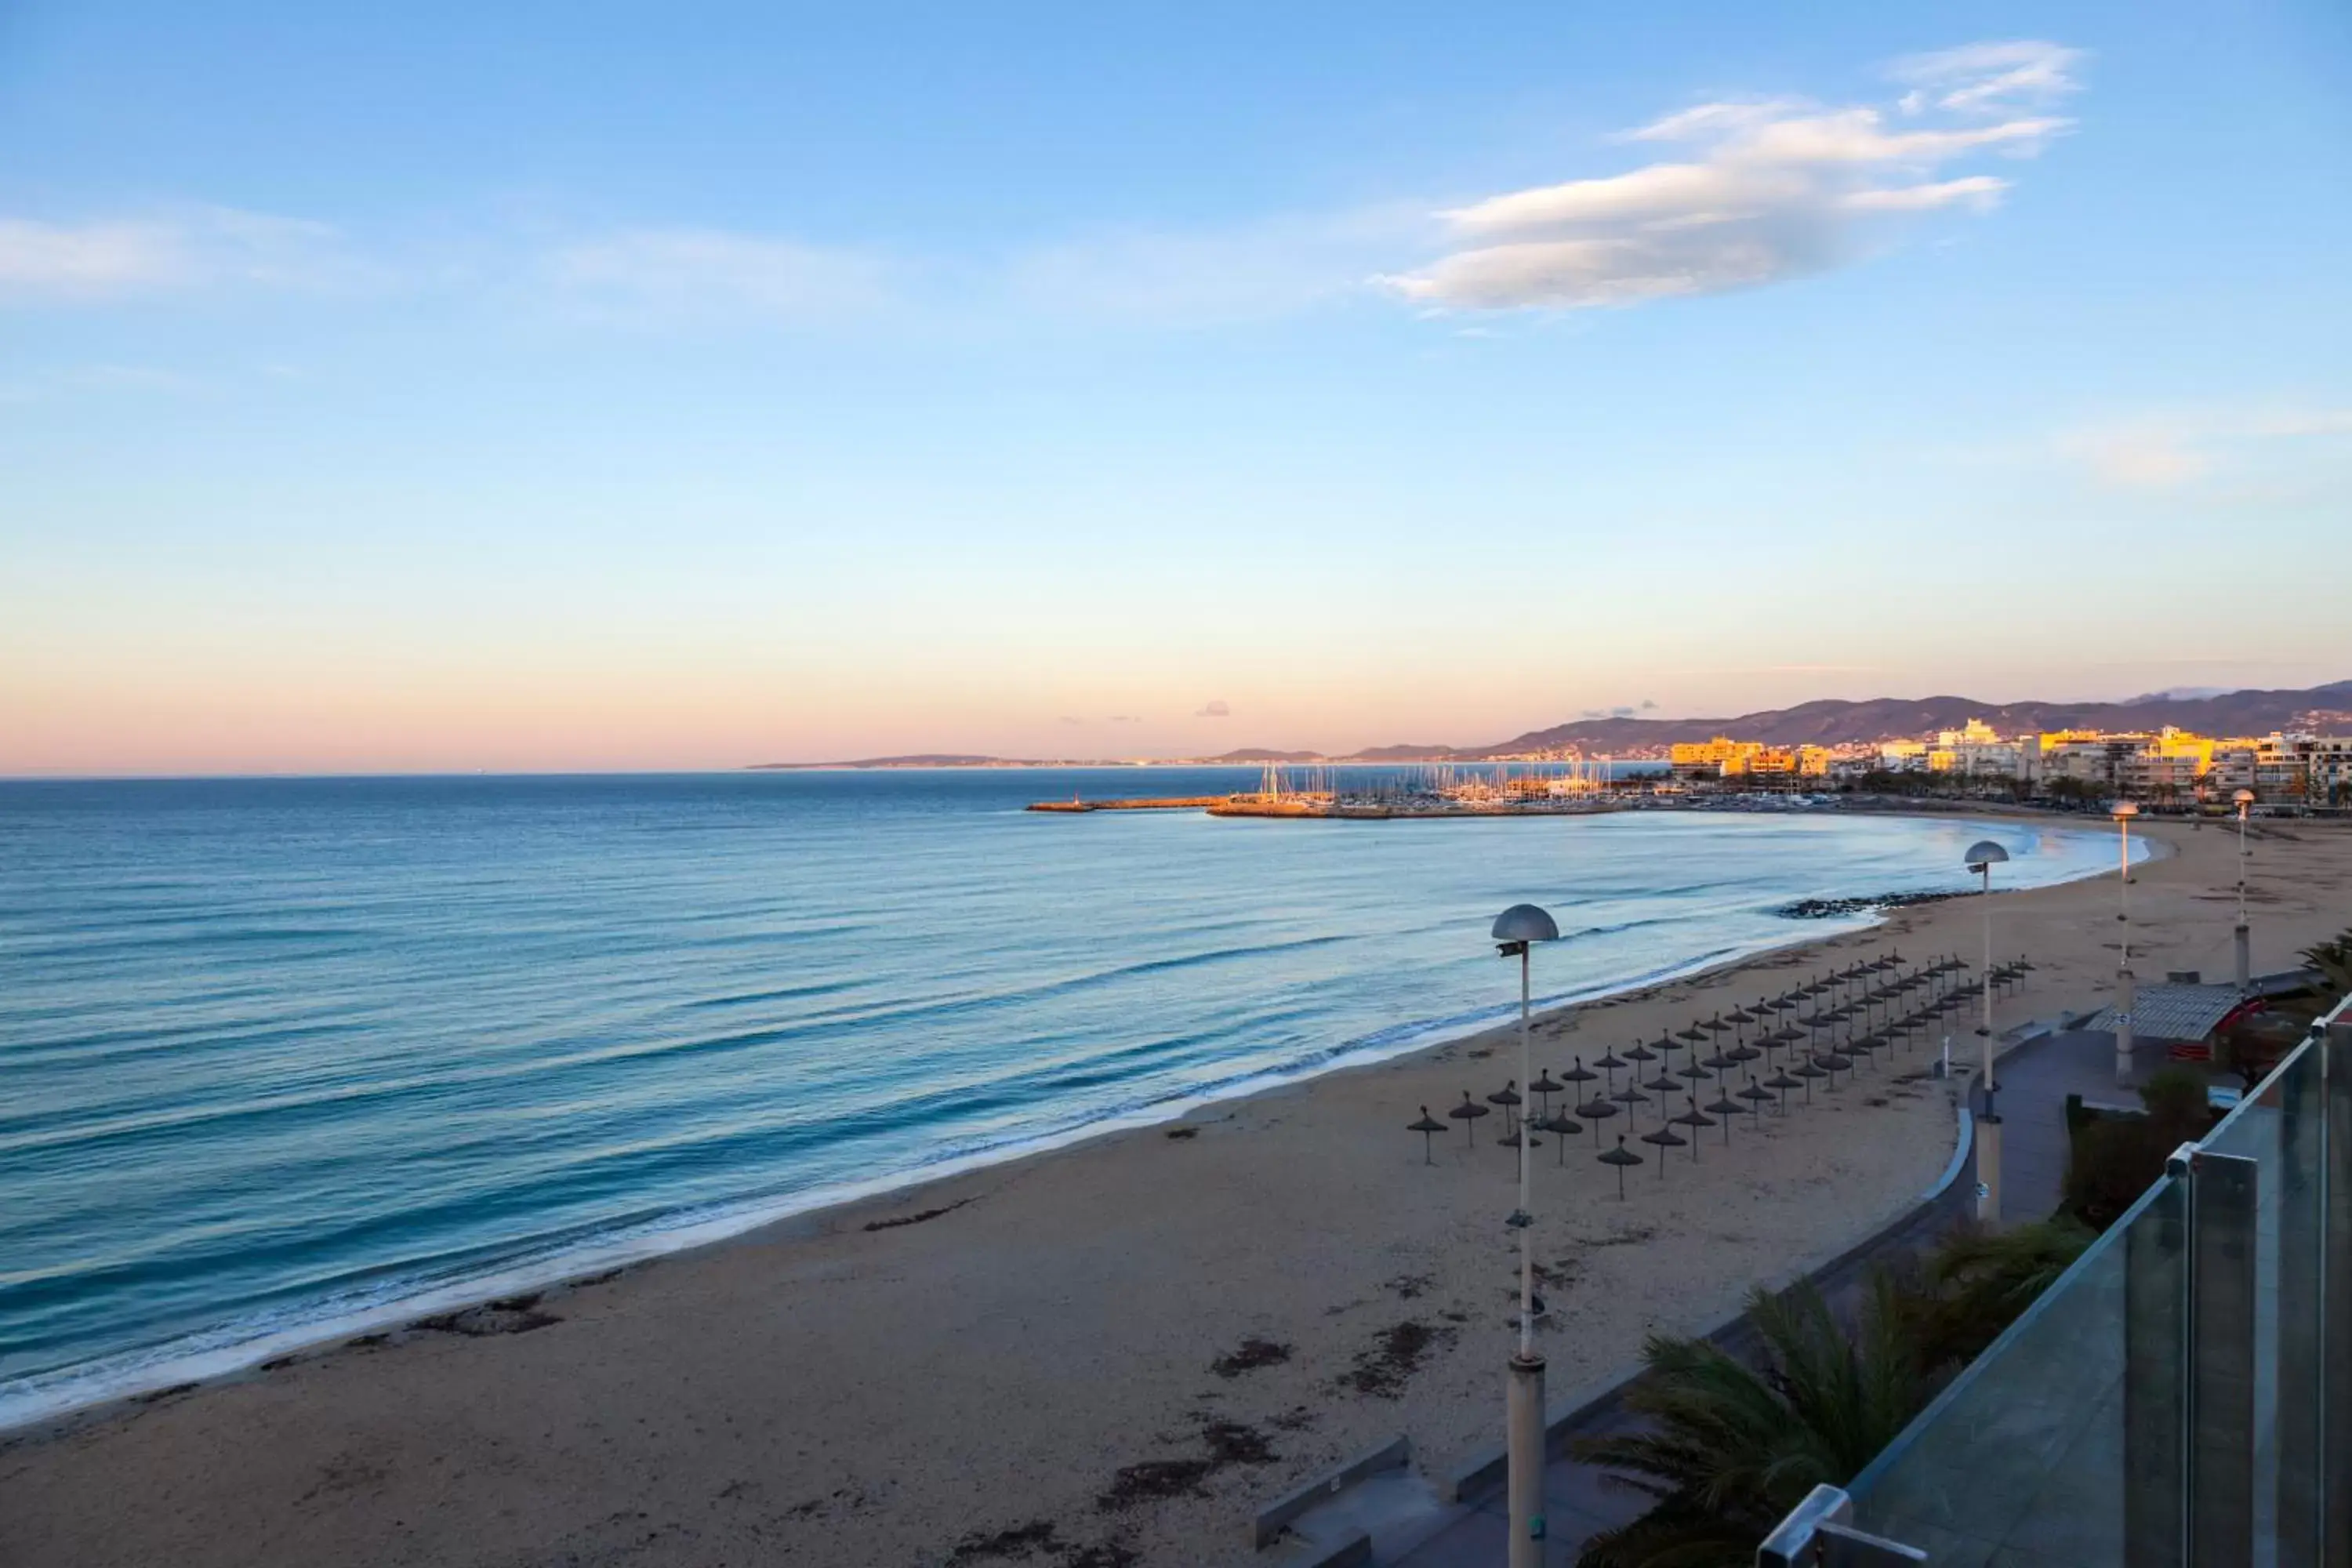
[[2111, 1161]]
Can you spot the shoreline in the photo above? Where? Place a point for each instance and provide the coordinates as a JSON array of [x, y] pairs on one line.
[[628, 1252], [161, 1372]]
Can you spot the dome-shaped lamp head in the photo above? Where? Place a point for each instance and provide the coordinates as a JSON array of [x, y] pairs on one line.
[[1526, 922], [1984, 852], [2124, 810], [2244, 797]]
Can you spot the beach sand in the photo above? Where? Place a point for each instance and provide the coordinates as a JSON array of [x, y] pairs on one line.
[[1110, 1354]]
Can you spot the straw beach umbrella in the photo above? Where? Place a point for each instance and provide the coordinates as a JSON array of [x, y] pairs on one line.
[[1562, 1129], [1696, 1118], [1427, 1127], [1507, 1097], [1619, 1157], [1545, 1088], [1693, 1037], [1806, 1070], [1608, 1063], [1596, 1110], [1664, 1137], [1728, 1109], [1466, 1112]]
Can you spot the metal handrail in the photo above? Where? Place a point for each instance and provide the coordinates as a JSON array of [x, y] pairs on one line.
[[1819, 1529]]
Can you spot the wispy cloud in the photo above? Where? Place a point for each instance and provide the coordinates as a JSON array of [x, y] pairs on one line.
[[1766, 190], [2168, 451], [1215, 709], [182, 248], [676, 274], [1986, 78]]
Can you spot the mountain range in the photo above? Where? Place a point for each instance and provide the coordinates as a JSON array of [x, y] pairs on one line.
[[1823, 723], [1830, 722]]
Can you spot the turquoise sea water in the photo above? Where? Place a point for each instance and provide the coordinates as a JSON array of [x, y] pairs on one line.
[[279, 1059]]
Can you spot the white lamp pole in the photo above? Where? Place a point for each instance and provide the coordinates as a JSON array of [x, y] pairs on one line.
[[1516, 930], [2245, 798], [1983, 857], [2127, 987]]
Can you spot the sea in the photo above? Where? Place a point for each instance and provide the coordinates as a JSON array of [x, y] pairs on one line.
[[283, 1059]]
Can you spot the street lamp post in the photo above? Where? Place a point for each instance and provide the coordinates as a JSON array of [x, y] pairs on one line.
[[1983, 857], [2127, 987], [1516, 930], [2245, 941]]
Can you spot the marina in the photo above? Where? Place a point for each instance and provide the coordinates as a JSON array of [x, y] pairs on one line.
[[1575, 787]]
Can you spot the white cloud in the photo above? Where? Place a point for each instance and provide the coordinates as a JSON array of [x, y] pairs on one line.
[[65, 262], [1769, 189], [179, 248], [683, 273], [2169, 451], [1979, 191], [1988, 77]]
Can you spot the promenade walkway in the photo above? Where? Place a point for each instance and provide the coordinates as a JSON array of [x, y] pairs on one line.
[[2034, 1081]]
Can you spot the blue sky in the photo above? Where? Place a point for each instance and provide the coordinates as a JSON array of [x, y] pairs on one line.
[[688, 386]]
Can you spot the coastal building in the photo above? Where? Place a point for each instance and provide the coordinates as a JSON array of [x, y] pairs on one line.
[[2236, 764], [2167, 767], [1705, 759], [1749, 760], [1977, 750], [2329, 769], [1777, 762], [2083, 757]]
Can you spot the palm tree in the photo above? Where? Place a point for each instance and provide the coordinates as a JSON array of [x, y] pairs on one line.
[[2333, 959], [1977, 1281], [1733, 1447]]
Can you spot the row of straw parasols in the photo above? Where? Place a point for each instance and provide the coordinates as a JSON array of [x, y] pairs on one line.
[[1841, 1020]]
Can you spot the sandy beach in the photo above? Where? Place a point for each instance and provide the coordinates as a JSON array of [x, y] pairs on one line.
[[1109, 1353]]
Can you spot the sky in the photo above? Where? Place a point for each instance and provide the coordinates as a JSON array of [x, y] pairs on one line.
[[585, 386]]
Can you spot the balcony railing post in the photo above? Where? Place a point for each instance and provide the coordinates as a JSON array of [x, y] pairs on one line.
[[2299, 1444], [2222, 1192], [2155, 1379], [2335, 1296]]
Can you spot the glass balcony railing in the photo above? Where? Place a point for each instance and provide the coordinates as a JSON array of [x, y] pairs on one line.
[[2181, 1397]]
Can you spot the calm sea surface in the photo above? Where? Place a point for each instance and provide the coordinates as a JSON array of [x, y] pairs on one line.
[[278, 1057]]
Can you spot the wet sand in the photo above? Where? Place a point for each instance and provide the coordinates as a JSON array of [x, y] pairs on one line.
[[1108, 1353]]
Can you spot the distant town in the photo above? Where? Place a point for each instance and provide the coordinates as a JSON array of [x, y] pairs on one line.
[[2292, 749], [2170, 766]]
